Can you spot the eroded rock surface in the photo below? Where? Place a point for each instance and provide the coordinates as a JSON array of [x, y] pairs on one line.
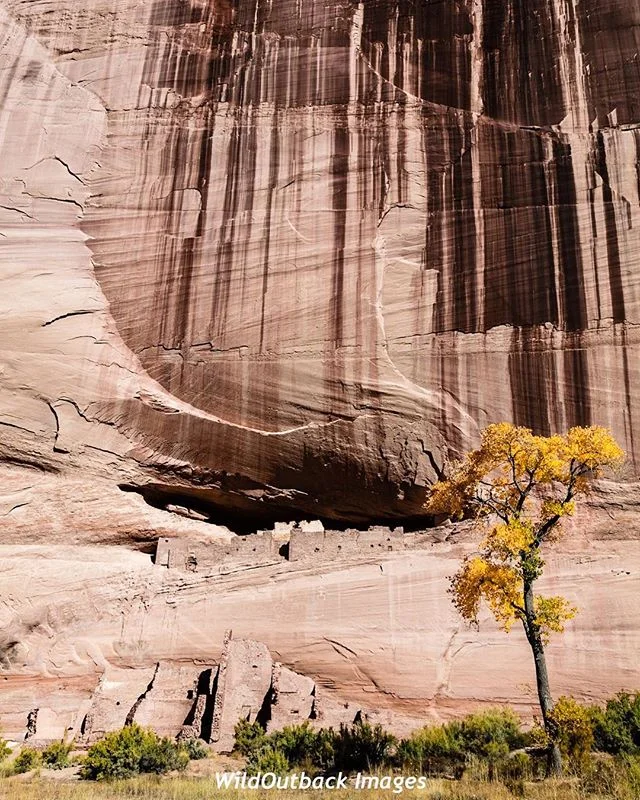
[[86, 628], [273, 260], [274, 256]]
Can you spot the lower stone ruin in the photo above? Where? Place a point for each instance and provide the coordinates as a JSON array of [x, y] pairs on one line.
[[207, 704]]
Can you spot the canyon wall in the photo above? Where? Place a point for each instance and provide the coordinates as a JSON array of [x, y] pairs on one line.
[[86, 630], [281, 259], [295, 255]]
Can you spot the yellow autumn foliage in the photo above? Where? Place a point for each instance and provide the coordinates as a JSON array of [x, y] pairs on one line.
[[552, 613], [496, 584], [511, 462], [508, 540], [526, 485]]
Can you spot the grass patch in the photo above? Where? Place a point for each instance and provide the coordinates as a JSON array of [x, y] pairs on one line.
[[614, 784], [184, 788]]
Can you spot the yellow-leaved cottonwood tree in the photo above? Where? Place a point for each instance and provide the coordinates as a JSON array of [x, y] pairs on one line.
[[523, 485]]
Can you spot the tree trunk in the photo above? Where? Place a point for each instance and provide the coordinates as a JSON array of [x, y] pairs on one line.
[[554, 766]]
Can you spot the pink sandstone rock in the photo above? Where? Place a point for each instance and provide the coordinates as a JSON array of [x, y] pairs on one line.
[[373, 631], [262, 261], [288, 258]]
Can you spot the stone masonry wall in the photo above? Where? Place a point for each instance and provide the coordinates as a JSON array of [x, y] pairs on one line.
[[293, 542]]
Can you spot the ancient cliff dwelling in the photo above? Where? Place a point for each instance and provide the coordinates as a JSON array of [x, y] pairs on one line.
[[267, 269]]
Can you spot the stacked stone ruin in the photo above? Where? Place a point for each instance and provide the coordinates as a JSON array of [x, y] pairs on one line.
[[289, 542], [248, 684]]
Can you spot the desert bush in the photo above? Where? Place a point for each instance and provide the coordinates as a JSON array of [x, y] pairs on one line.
[[490, 734], [267, 758], [163, 755], [5, 750], [299, 745], [363, 747], [304, 747], [56, 755], [130, 751], [575, 732], [616, 728], [27, 759], [433, 750], [481, 741], [250, 737], [195, 749]]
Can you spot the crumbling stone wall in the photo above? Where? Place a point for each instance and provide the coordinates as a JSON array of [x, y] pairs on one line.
[[206, 702], [330, 545], [292, 698], [304, 541], [194, 556], [250, 685], [290, 541], [247, 686]]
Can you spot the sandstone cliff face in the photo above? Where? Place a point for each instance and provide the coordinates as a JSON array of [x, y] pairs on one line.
[[277, 259], [295, 254], [94, 635]]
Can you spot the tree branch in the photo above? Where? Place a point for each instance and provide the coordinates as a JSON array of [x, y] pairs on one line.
[[490, 504], [550, 524]]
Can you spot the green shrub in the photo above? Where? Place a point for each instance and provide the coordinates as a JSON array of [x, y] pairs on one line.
[[56, 755], [267, 759], [163, 755], [490, 734], [481, 741], [250, 737], [304, 747], [434, 750], [5, 750], [362, 747], [299, 745], [28, 758], [130, 751], [195, 749], [616, 728]]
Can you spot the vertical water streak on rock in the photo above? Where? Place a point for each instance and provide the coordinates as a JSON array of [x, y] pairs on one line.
[[571, 65], [636, 136], [193, 254], [477, 57], [516, 194], [629, 404], [355, 49], [521, 80], [610, 31], [230, 211], [480, 232], [339, 182], [532, 378], [507, 214], [576, 387], [465, 288], [598, 311], [570, 253], [611, 231], [392, 53], [269, 222], [436, 245]]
